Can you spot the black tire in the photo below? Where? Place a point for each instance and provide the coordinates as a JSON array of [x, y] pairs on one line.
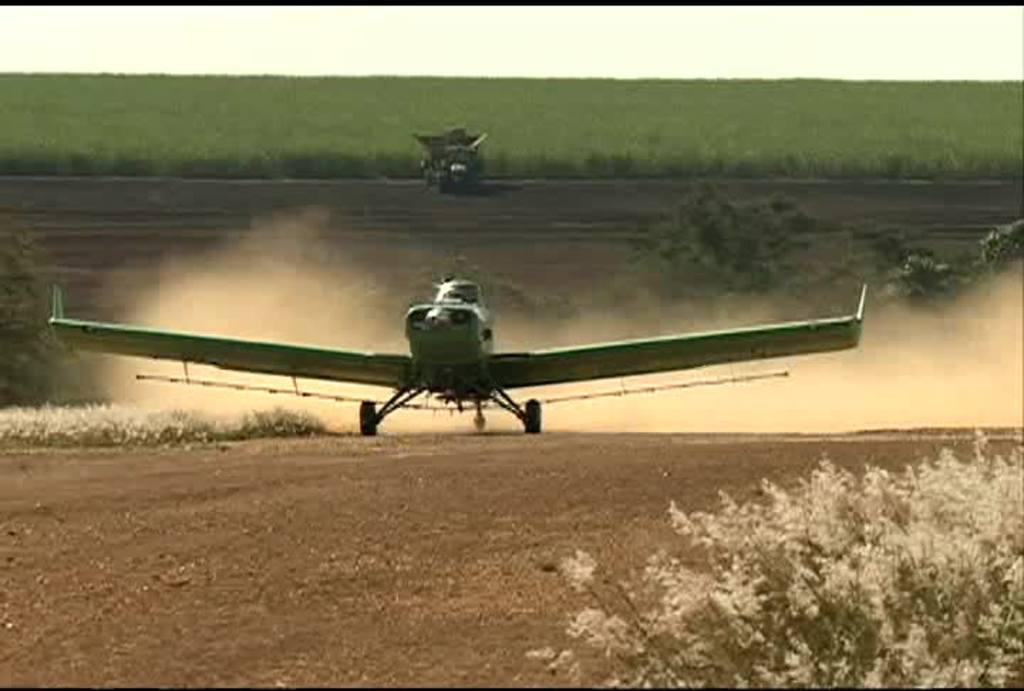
[[532, 421], [368, 418]]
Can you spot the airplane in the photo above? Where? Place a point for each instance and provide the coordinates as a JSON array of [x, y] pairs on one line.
[[451, 354]]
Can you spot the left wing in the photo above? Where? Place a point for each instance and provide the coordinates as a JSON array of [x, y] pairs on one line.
[[669, 353], [230, 353]]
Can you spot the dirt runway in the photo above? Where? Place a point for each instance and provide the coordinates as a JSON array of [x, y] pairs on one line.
[[400, 560]]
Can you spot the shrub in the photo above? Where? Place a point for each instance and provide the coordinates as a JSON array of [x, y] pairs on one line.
[[714, 244], [28, 355], [34, 368], [922, 277], [890, 580], [1003, 245]]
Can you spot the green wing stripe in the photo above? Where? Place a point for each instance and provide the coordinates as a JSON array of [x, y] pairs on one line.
[[669, 353], [234, 354]]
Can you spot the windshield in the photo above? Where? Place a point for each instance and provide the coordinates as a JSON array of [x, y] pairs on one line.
[[462, 292]]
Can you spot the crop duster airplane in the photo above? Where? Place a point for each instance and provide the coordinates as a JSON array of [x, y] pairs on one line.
[[451, 355]]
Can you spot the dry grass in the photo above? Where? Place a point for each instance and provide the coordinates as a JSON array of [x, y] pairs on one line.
[[116, 425], [883, 581]]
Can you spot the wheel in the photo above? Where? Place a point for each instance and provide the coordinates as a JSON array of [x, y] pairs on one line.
[[532, 421], [368, 418]]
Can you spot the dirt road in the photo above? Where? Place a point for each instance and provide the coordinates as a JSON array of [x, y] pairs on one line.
[[400, 560]]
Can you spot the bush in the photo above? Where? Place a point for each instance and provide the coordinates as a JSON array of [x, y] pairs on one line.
[[922, 277], [714, 245], [34, 368], [28, 353], [1004, 245], [891, 580]]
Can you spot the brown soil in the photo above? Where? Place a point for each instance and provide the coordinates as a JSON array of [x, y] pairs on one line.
[[415, 560]]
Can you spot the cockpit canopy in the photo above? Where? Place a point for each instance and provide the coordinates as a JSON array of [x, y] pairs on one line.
[[458, 291]]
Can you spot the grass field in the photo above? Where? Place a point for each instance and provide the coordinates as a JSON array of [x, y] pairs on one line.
[[362, 127]]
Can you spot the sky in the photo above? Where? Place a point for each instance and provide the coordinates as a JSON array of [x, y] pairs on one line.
[[766, 42]]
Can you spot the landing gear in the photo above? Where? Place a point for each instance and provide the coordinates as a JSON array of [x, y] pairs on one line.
[[369, 418], [532, 417]]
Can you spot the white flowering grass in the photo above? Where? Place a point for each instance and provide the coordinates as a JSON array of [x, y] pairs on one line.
[[115, 425], [911, 579]]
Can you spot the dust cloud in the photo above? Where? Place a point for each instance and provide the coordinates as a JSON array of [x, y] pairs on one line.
[[280, 281], [960, 366]]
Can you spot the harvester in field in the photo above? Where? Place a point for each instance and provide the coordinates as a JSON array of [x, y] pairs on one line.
[[451, 160]]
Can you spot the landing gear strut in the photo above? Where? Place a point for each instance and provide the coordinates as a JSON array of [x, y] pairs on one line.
[[479, 421], [369, 418], [530, 416]]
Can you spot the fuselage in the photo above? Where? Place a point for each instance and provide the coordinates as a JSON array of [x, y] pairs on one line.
[[450, 340]]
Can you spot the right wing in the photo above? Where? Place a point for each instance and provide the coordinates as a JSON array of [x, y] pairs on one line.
[[679, 352], [229, 353]]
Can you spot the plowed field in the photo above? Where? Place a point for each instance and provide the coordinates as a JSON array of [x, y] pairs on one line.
[[553, 236]]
